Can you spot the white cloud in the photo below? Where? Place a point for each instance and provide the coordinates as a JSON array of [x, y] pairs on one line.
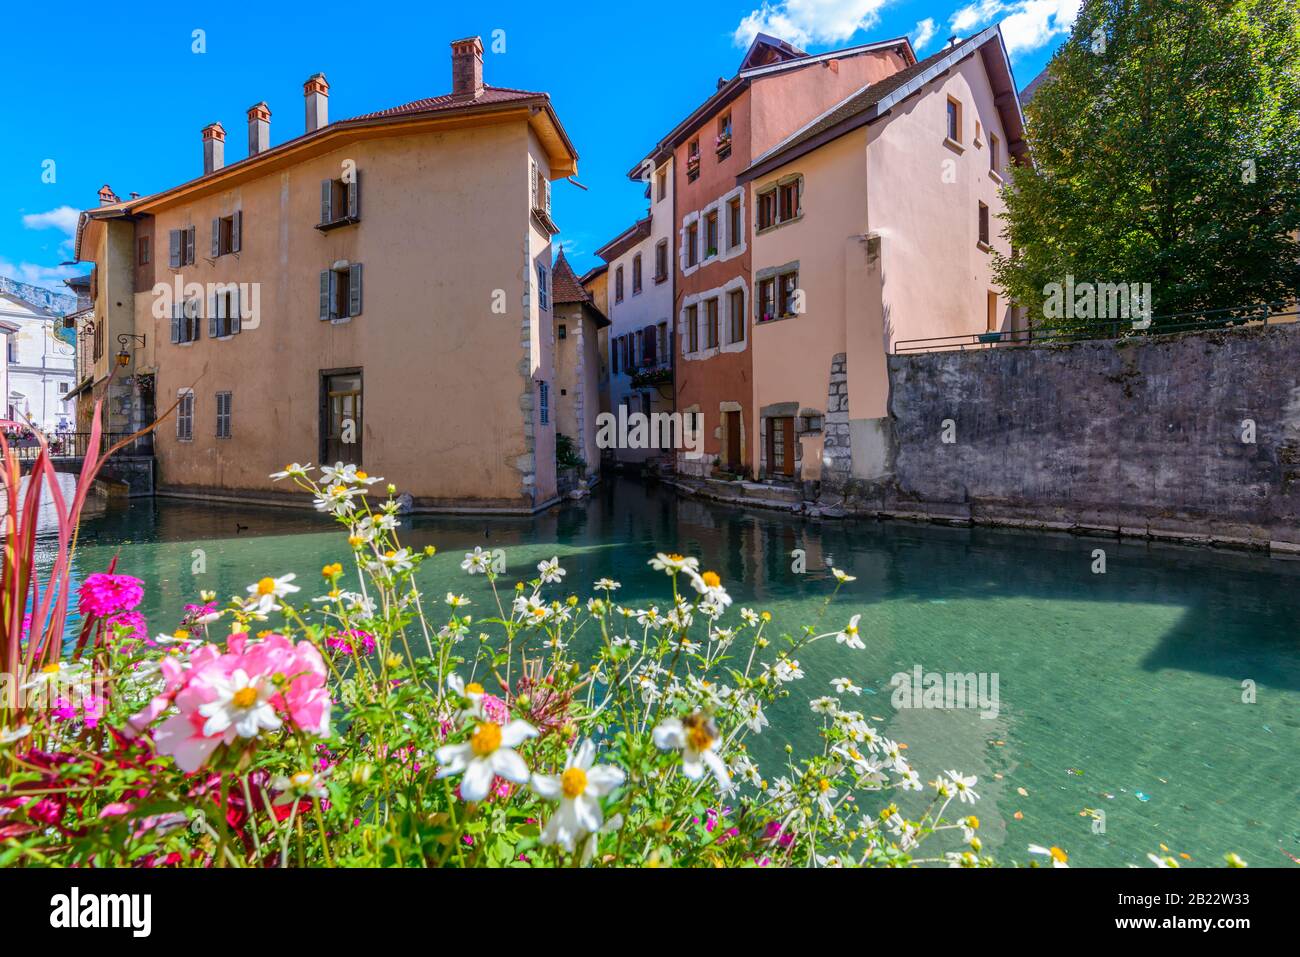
[[48, 277], [807, 22], [64, 218], [923, 33], [1026, 24]]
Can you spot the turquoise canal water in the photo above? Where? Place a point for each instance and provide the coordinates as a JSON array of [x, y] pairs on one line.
[[1120, 692]]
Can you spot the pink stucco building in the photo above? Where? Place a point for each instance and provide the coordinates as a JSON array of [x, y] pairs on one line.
[[874, 222]]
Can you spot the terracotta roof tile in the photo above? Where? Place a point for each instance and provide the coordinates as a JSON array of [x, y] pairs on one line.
[[565, 286], [449, 101]]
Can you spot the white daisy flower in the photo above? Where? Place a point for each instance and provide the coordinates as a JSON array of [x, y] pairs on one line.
[[608, 584], [295, 471], [845, 686], [490, 751], [842, 577], [672, 564], [695, 736], [266, 591], [1058, 856], [849, 636], [242, 703], [477, 562], [963, 786], [578, 790], [551, 572]]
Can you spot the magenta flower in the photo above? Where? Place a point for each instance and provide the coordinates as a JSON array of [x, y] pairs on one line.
[[344, 639], [103, 594]]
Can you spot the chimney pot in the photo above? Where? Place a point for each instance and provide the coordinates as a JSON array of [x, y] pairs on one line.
[[316, 92], [467, 68], [214, 148], [259, 128], [106, 196]]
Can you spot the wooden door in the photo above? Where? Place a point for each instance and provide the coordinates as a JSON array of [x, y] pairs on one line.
[[733, 440], [780, 446]]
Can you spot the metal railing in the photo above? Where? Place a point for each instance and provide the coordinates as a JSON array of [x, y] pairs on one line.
[[74, 445], [1204, 321]]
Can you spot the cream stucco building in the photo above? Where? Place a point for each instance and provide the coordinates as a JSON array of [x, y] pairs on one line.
[[374, 290]]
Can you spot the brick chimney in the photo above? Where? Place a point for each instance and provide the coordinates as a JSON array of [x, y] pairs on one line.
[[467, 68], [214, 147], [259, 128], [316, 92], [106, 196]]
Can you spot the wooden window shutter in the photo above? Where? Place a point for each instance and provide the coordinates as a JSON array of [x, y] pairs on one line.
[[189, 245], [176, 315], [354, 195], [216, 238], [236, 227], [326, 290], [174, 249], [354, 289], [214, 303], [239, 305], [326, 201]]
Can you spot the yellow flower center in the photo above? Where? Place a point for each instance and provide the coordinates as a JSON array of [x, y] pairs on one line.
[[851, 630], [301, 779], [362, 476], [50, 670], [180, 633], [539, 612], [712, 579], [823, 785], [390, 554], [486, 739], [674, 557], [1059, 855], [973, 822], [355, 540], [473, 688], [573, 782], [266, 586], [244, 698], [699, 738]]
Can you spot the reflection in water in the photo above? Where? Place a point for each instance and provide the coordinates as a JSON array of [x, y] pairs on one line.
[[1112, 686]]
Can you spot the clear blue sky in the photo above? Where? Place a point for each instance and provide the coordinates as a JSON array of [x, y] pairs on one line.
[[115, 95]]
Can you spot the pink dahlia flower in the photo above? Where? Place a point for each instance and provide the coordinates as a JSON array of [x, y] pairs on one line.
[[103, 594]]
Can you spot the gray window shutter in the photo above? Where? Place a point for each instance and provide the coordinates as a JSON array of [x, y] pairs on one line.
[[189, 245], [237, 227], [326, 289], [354, 195], [214, 304], [546, 192], [239, 306], [326, 201], [176, 312], [216, 238], [174, 249], [354, 289], [533, 177]]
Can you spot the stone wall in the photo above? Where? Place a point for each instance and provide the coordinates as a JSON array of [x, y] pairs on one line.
[[1188, 437]]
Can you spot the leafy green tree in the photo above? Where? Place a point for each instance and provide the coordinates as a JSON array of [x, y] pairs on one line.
[[1165, 146]]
